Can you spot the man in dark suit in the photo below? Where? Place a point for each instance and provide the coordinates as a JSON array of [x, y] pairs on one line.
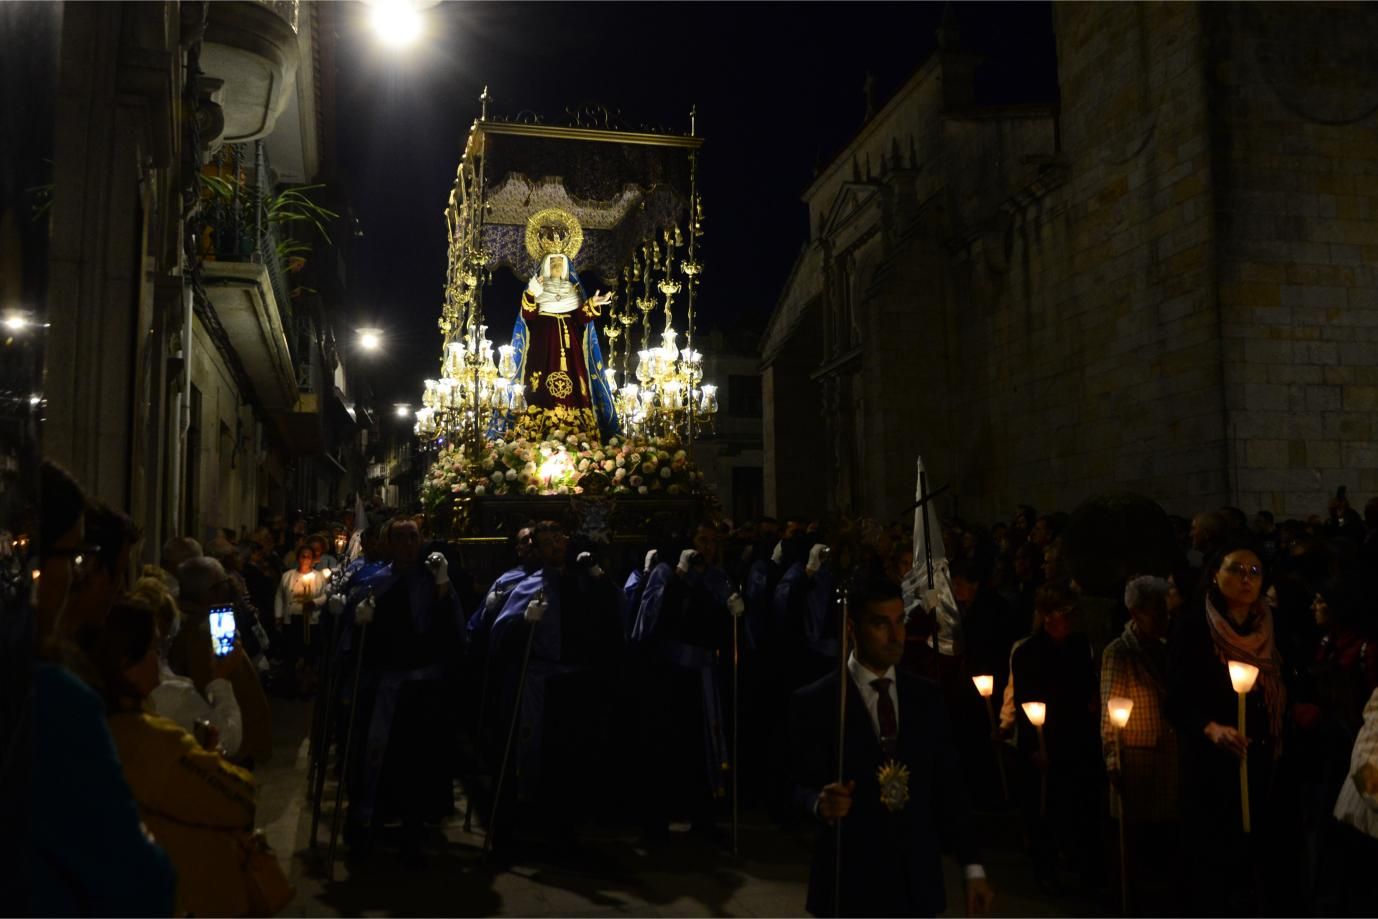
[[903, 794]]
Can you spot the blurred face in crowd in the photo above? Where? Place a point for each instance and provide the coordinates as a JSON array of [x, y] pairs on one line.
[[404, 543], [306, 560], [1058, 623], [552, 548], [524, 542], [706, 542], [964, 591], [1150, 620], [95, 588], [1040, 534], [1174, 597], [1321, 610], [1051, 559], [1240, 578], [878, 634], [60, 567]]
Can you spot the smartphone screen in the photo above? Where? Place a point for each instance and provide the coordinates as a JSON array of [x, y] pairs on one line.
[[222, 630]]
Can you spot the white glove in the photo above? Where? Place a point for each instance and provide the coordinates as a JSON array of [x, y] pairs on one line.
[[736, 605], [336, 604], [778, 555], [586, 558], [439, 567], [535, 288], [535, 610], [363, 613], [817, 556], [650, 560], [495, 599], [686, 558]]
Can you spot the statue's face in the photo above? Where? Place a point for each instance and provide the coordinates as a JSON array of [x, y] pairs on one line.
[[555, 266]]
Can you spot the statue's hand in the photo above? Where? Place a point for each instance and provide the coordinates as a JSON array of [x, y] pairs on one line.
[[535, 288], [600, 299]]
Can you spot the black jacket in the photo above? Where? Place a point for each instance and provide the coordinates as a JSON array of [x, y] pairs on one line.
[[891, 862]]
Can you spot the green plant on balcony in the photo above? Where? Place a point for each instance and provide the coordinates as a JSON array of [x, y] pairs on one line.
[[280, 210]]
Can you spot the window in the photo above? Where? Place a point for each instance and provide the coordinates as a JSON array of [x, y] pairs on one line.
[[744, 395]]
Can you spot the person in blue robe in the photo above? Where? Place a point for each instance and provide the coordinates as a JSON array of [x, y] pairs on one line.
[[805, 612], [412, 643], [682, 639], [633, 589], [563, 718]]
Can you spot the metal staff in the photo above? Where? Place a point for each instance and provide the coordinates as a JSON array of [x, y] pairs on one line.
[[511, 734], [736, 718], [317, 787], [348, 746], [842, 678], [478, 729]]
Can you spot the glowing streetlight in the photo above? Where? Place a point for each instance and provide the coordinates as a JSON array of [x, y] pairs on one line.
[[370, 339], [396, 22], [403, 410]]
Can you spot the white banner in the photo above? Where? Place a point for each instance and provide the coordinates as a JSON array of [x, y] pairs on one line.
[[919, 593]]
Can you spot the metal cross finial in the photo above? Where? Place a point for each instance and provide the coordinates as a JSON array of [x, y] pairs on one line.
[[483, 102], [693, 120]]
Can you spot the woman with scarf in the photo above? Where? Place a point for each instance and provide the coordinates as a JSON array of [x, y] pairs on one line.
[[1232, 873]]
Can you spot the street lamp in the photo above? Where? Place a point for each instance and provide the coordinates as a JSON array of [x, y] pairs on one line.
[[403, 409], [370, 339], [396, 22]]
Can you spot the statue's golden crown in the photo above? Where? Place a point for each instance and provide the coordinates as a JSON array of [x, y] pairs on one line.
[[553, 232]]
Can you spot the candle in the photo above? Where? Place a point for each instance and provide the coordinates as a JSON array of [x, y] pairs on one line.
[[1242, 677], [1037, 712], [1119, 708], [985, 686]]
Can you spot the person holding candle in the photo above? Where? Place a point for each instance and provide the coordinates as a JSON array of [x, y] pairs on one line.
[[1228, 623], [1142, 762], [296, 607], [1055, 667]]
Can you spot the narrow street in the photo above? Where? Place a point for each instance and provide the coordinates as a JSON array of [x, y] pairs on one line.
[[610, 874]]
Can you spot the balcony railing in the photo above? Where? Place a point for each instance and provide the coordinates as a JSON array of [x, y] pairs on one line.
[[237, 229]]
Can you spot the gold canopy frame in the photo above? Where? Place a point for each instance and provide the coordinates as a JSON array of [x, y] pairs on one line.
[[645, 215]]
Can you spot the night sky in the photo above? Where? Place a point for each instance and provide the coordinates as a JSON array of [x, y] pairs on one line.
[[778, 89]]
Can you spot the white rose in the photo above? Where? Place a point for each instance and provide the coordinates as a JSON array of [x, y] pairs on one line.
[[641, 490], [664, 472], [480, 491], [511, 475]]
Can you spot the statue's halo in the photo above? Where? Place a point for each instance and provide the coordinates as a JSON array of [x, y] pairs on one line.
[[553, 231]]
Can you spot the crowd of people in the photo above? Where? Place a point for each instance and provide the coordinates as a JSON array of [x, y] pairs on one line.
[[566, 686]]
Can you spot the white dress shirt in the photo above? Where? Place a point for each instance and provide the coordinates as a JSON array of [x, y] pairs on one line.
[[863, 679]]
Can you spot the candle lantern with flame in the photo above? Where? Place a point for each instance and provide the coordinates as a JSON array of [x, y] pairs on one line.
[[1119, 708], [1242, 678], [1037, 713], [985, 688]]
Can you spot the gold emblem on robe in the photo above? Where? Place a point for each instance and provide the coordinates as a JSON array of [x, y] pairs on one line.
[[559, 385], [894, 785]]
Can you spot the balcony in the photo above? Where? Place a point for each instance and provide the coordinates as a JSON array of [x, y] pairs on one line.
[[377, 472], [251, 50], [243, 277]]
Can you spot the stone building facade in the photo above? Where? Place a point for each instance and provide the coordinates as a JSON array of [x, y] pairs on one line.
[[1166, 283]]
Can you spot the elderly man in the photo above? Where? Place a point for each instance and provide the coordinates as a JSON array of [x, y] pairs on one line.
[[1143, 766], [204, 585]]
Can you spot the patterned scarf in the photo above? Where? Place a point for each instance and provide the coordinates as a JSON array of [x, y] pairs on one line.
[[1254, 646]]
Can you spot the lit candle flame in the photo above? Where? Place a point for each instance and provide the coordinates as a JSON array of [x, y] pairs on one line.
[[1119, 708], [985, 685], [1242, 676], [1036, 712]]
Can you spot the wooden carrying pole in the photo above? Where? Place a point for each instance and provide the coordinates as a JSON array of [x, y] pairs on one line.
[[842, 678]]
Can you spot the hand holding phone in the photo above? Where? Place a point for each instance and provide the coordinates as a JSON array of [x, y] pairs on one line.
[[222, 630]]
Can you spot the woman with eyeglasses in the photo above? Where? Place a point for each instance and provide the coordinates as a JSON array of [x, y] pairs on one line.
[[1232, 873]]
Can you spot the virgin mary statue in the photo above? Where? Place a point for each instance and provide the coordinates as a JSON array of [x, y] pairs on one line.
[[556, 339]]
